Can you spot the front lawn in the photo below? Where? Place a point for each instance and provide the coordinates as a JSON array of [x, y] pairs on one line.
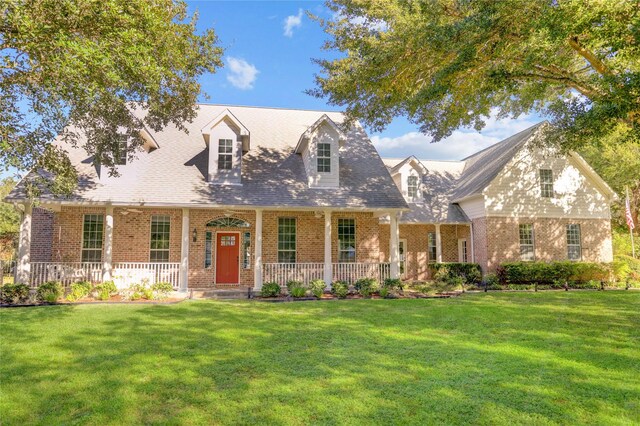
[[496, 358]]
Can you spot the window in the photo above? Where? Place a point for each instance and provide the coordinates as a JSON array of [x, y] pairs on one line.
[[527, 252], [286, 240], [160, 232], [546, 183], [324, 158], [228, 222], [346, 240], [462, 250], [120, 156], [225, 154], [402, 249], [433, 252], [208, 242], [246, 250], [412, 186], [574, 244], [92, 231]]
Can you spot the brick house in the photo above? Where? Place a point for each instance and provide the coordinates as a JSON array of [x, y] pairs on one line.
[[249, 195]]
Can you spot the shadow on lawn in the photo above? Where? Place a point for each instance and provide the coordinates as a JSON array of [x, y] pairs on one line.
[[478, 359]]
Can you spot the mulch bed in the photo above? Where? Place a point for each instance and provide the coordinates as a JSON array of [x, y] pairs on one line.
[[326, 296], [113, 300]]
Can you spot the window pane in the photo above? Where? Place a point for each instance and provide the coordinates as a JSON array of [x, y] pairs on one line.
[[225, 151], [246, 252], [324, 158], [432, 246], [527, 251], [92, 231], [207, 249], [346, 240], [574, 243], [160, 238], [546, 183], [412, 186], [286, 240]]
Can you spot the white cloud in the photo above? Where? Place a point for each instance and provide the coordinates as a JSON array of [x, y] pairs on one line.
[[291, 22], [242, 74], [459, 145], [360, 21]]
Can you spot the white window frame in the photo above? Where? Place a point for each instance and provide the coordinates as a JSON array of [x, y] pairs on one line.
[[93, 249], [322, 155], [574, 245], [156, 250], [532, 246], [402, 256], [546, 188], [226, 151], [355, 242], [295, 240], [411, 187], [430, 246], [463, 250]]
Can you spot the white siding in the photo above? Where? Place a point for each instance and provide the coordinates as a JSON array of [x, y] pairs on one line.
[[515, 192], [223, 130], [401, 176], [324, 134], [473, 207]]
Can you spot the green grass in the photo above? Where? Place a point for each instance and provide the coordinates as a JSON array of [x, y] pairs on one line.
[[497, 358]]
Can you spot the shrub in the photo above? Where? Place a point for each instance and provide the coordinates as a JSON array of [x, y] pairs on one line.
[[630, 267], [50, 292], [298, 292], [79, 290], [161, 290], [270, 290], [291, 284], [14, 294], [317, 288], [384, 292], [340, 289], [553, 272], [105, 290], [147, 293], [470, 272], [393, 284], [366, 286], [491, 282]]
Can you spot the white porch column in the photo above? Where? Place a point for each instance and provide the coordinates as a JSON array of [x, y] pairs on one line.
[[184, 251], [257, 258], [23, 270], [328, 264], [107, 260], [438, 244], [394, 255], [473, 253]]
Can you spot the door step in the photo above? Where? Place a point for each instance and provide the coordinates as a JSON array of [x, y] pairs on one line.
[[220, 293]]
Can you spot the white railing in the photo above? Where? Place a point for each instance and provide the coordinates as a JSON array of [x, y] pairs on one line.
[[127, 273], [351, 272], [64, 272], [281, 273], [306, 272]]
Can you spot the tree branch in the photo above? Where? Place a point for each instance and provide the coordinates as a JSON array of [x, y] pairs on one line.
[[595, 62]]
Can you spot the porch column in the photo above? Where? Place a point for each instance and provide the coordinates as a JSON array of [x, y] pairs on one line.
[[473, 253], [394, 255], [257, 258], [23, 270], [184, 251], [328, 264], [438, 244], [107, 265]]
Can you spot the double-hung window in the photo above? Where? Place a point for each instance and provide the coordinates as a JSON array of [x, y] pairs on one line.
[[160, 234], [527, 251], [431, 237], [92, 233], [546, 183], [412, 186], [225, 154], [286, 240], [120, 156], [346, 240], [324, 158], [574, 242]]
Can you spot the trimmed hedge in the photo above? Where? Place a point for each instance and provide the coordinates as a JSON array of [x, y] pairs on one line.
[[470, 272], [552, 273]]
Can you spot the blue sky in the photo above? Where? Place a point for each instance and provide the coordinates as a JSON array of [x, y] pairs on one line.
[[269, 46]]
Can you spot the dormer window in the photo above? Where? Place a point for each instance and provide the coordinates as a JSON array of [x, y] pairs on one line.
[[324, 158], [120, 155], [225, 154], [412, 186]]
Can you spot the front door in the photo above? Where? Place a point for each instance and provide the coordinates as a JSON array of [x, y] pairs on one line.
[[227, 258]]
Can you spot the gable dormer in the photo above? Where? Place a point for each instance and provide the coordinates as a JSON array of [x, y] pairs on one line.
[[320, 146], [408, 177], [227, 139]]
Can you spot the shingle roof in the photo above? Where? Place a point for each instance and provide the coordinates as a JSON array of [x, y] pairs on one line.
[[272, 174]]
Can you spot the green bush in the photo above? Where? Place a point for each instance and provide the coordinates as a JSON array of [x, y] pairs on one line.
[[471, 273], [317, 288], [79, 290], [553, 273], [14, 294], [393, 284], [491, 282], [628, 268], [340, 289], [384, 292], [270, 290], [107, 288], [49, 292], [298, 292], [291, 284], [366, 286], [161, 290]]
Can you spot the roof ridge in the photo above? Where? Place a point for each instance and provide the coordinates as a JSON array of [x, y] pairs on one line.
[[268, 107], [503, 140]]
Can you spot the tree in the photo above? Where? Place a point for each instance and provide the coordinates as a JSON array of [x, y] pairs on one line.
[[447, 64], [98, 67], [9, 222]]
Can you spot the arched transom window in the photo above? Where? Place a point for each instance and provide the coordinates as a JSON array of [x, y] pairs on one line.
[[228, 222]]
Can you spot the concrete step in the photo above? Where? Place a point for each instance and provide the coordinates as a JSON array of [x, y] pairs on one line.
[[219, 293]]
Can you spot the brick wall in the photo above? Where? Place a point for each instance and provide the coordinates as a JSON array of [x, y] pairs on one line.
[[41, 235], [67, 233]]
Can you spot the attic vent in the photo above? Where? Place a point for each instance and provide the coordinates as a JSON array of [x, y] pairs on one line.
[[228, 222]]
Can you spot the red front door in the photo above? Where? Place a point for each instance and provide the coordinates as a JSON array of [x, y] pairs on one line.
[[227, 252]]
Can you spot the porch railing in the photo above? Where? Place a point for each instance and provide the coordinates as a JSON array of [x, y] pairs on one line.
[[7, 270], [64, 272], [126, 273], [283, 272], [306, 272], [351, 272]]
